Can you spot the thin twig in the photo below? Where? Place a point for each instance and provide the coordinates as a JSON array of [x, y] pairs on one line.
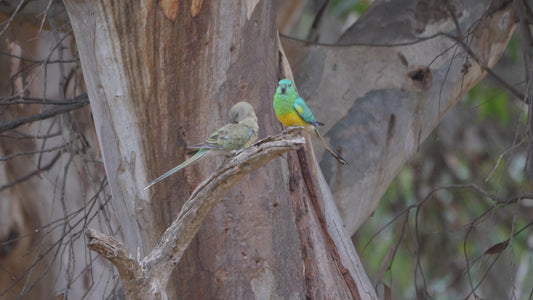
[[33, 173], [489, 71], [5, 126], [7, 157], [12, 17], [41, 61]]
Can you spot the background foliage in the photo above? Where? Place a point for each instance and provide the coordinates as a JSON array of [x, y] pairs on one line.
[[450, 225]]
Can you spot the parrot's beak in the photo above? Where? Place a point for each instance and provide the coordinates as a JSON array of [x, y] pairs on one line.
[[283, 88]]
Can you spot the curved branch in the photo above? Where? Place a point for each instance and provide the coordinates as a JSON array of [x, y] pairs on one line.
[[178, 236], [149, 276]]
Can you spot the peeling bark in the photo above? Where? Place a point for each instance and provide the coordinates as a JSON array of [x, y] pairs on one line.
[[157, 84]]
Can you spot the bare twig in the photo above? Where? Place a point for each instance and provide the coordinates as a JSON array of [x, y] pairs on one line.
[[33, 173], [52, 251], [45, 14], [5, 126], [41, 61], [12, 17], [34, 100], [18, 135], [508, 151], [489, 71], [7, 157]]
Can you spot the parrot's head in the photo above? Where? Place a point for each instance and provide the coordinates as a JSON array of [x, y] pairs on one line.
[[285, 87], [241, 111]]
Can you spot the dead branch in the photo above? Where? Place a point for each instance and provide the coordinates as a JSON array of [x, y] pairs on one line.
[[115, 252], [149, 277], [5, 126]]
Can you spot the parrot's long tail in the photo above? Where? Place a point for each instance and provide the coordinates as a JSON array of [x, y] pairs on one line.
[[328, 147], [201, 153]]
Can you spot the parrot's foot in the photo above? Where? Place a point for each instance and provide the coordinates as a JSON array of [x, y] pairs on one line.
[[229, 154], [238, 151]]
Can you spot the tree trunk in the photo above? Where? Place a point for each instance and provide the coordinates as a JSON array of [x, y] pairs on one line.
[[163, 75]]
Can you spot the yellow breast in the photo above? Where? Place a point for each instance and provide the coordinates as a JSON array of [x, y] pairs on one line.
[[291, 119]]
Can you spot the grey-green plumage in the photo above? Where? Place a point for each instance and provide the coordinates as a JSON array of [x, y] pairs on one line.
[[240, 133]]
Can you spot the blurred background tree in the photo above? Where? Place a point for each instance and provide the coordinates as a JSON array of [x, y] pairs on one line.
[[450, 225], [455, 223]]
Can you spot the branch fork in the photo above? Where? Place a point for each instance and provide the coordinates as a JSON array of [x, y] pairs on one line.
[[148, 278]]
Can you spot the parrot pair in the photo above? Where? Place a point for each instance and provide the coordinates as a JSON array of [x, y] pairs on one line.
[[241, 132]]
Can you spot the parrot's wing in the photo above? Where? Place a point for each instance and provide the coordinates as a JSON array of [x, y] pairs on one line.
[[304, 111], [230, 137], [212, 140]]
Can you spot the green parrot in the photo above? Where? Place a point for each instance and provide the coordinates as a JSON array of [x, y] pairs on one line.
[[291, 110], [239, 134]]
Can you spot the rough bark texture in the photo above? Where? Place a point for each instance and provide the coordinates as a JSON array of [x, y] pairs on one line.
[[383, 95], [161, 75]]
